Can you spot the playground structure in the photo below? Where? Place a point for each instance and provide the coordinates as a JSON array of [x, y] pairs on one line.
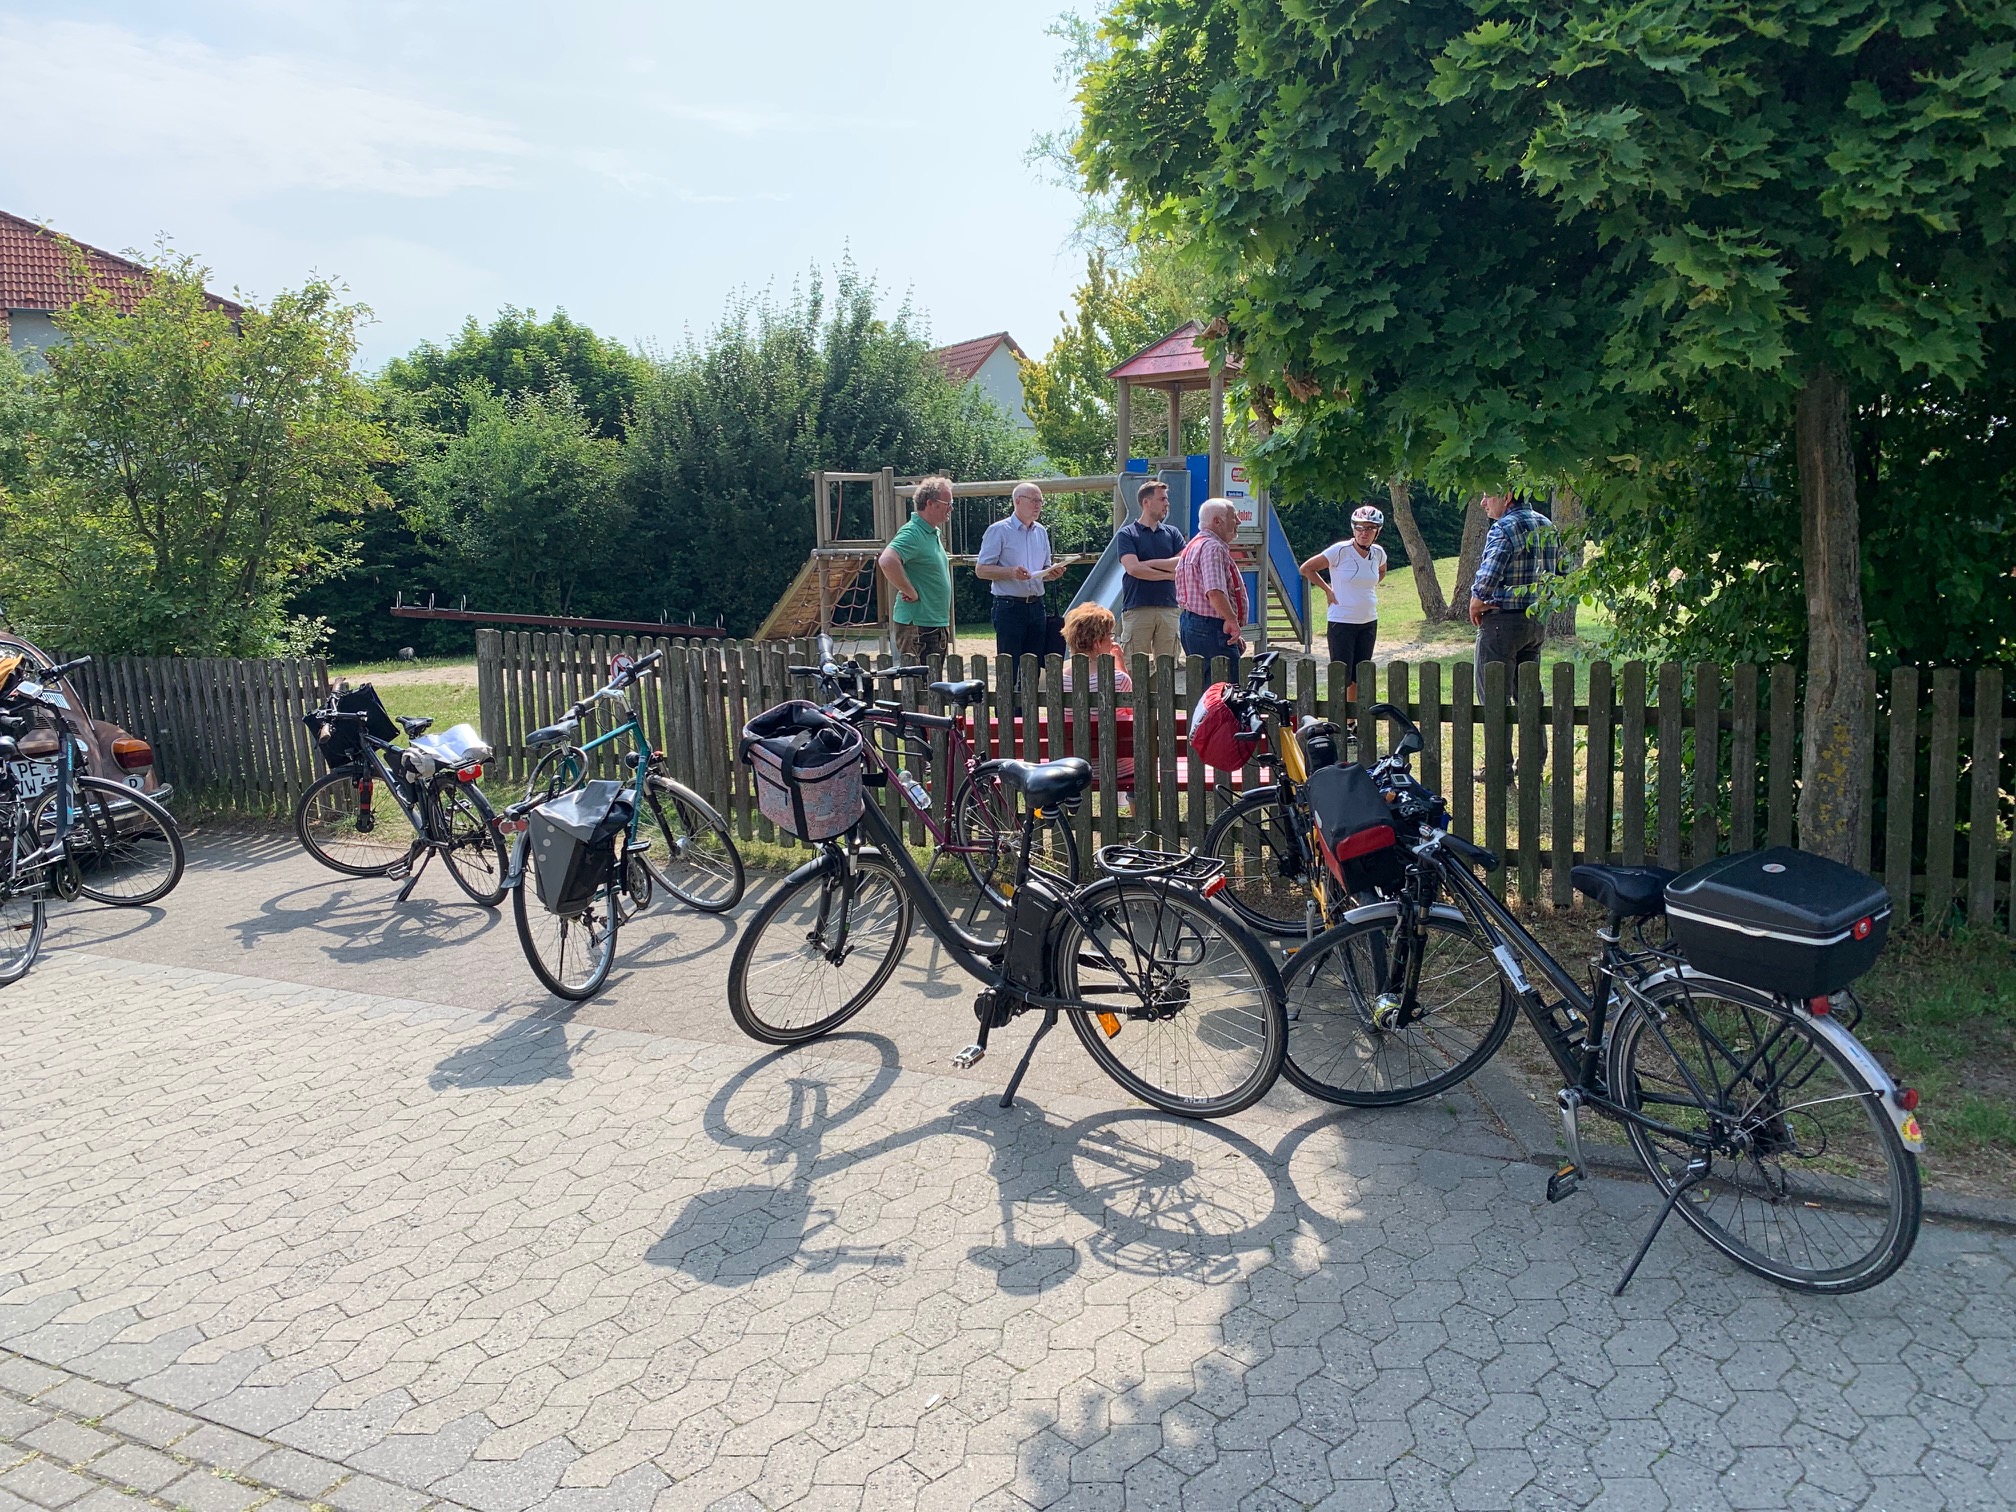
[[839, 591]]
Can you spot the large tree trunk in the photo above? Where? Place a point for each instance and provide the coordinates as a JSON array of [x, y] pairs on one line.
[[1834, 787], [1433, 605], [1567, 520], [1476, 526]]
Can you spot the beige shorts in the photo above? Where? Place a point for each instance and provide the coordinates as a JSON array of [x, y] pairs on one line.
[[1151, 633], [916, 644]]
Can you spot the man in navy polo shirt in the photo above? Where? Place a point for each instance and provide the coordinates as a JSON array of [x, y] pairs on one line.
[[1149, 546]]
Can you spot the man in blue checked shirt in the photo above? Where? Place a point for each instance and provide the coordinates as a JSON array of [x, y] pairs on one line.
[[1521, 551]]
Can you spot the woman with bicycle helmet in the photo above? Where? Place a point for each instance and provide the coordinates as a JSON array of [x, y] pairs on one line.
[[1349, 573]]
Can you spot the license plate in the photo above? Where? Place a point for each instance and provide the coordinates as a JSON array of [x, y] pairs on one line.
[[32, 778]]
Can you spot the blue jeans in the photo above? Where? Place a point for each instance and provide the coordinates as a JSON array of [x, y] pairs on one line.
[[1204, 635], [1018, 629]]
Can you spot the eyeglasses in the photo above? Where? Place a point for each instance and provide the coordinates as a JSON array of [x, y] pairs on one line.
[[1363, 525]]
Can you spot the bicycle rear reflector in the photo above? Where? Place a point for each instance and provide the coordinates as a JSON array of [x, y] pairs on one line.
[[471, 773]]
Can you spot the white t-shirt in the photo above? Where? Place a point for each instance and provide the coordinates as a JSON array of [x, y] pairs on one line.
[[1355, 581]]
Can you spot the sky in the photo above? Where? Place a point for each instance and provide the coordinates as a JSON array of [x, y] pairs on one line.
[[634, 164]]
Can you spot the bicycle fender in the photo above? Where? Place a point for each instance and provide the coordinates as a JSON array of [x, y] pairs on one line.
[[1442, 911], [1851, 1050]]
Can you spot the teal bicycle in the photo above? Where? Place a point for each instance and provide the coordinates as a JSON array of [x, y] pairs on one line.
[[675, 840]]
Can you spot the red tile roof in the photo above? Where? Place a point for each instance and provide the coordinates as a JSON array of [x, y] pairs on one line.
[[36, 272], [965, 358]]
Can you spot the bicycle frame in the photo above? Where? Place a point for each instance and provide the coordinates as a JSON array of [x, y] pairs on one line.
[[958, 758]]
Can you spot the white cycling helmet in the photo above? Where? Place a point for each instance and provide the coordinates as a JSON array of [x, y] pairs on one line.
[[1367, 514]]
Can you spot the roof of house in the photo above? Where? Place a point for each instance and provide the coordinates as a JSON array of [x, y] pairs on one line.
[[36, 272], [963, 359], [1176, 361]]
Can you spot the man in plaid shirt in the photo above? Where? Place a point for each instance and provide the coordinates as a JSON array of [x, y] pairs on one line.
[[1521, 551], [1210, 593]]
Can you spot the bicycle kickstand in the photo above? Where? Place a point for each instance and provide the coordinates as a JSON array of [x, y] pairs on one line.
[[1697, 1171], [416, 863], [1022, 1066]]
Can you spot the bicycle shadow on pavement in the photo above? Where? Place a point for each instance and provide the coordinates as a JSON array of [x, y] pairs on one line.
[[1141, 1191], [524, 1051], [81, 925], [360, 920]]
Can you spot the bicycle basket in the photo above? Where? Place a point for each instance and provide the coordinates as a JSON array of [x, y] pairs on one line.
[[573, 842], [1357, 826], [808, 769], [341, 741], [1215, 736]]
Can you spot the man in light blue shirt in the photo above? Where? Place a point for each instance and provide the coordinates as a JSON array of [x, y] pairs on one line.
[[1015, 557]]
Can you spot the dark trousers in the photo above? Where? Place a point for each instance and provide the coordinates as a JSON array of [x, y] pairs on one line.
[[1352, 644], [1513, 639], [1204, 635], [1018, 630]]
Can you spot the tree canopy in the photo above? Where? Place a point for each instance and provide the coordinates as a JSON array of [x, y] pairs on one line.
[[517, 353], [186, 473]]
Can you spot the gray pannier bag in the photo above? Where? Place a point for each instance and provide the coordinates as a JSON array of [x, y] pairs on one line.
[[574, 840]]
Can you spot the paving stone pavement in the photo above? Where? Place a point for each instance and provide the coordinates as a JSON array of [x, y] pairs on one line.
[[264, 1241]]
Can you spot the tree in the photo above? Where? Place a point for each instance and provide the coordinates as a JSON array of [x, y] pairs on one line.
[[1433, 605], [523, 506], [1464, 237], [191, 472], [20, 408], [719, 461], [517, 353]]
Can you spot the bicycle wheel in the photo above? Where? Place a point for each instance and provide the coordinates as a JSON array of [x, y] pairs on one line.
[[126, 848], [339, 824], [693, 856], [818, 951], [1346, 991], [1266, 880], [570, 953], [987, 829], [1808, 1182], [23, 910], [474, 852], [1186, 1012]]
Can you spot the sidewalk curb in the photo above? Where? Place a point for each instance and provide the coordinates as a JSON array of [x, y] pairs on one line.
[[1537, 1133]]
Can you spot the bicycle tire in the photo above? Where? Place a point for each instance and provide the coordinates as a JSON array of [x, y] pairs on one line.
[[986, 818], [1265, 883], [1168, 938], [1768, 1217], [550, 940], [326, 818], [99, 837], [477, 839], [696, 841], [793, 967], [1337, 1050], [24, 915]]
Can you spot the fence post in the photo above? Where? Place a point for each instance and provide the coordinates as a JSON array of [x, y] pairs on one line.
[[1600, 765], [1562, 838], [1900, 808], [1531, 773], [1986, 753], [1941, 796], [1463, 751], [1634, 764], [1782, 818], [1707, 761], [1497, 768], [1743, 756], [1672, 722], [1431, 726]]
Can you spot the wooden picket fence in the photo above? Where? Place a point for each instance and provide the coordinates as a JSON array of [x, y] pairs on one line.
[[227, 732], [1624, 778]]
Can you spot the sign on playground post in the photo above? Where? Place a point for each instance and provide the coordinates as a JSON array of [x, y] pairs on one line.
[[1239, 490]]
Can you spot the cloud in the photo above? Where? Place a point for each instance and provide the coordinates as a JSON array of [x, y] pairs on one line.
[[757, 120], [91, 98]]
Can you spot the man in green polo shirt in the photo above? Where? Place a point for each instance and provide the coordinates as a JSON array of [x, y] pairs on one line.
[[914, 562]]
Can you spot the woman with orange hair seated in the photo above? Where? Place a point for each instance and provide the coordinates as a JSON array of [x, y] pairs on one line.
[[1088, 632]]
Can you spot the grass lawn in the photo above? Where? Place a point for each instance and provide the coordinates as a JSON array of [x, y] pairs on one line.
[[444, 688]]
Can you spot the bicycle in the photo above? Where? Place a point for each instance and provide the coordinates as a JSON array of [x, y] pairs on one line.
[[1161, 984], [978, 820], [1758, 1115], [96, 838], [1276, 881], [572, 947], [23, 887], [432, 781]]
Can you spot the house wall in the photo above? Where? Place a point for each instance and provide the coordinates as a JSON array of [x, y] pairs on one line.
[[1000, 379], [29, 331]]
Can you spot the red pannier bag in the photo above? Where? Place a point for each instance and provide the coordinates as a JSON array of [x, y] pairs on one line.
[[1216, 738], [1357, 828]]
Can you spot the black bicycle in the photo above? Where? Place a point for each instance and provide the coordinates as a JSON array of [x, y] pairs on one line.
[[431, 781], [1758, 1114], [1169, 994], [95, 838]]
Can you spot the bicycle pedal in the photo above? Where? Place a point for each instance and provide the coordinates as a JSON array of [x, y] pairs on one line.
[[398, 870], [970, 1057], [1564, 1182]]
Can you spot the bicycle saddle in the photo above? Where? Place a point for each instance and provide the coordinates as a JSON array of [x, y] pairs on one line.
[[413, 724], [552, 734], [1629, 892], [1048, 782], [961, 693]]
